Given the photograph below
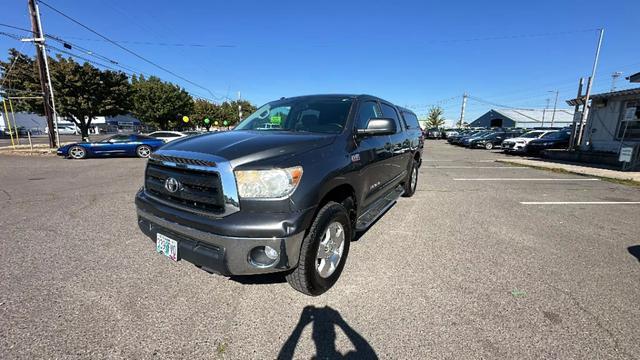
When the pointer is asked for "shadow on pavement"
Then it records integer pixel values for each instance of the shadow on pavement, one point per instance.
(324, 321)
(635, 251)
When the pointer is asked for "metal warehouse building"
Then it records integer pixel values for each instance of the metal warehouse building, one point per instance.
(524, 118)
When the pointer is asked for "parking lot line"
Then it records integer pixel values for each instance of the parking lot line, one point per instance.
(580, 202)
(522, 179)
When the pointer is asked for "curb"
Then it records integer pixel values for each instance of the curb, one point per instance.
(605, 174)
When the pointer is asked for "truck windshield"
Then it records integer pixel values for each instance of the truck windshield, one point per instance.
(320, 115)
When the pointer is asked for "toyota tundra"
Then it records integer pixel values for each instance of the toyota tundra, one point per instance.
(285, 191)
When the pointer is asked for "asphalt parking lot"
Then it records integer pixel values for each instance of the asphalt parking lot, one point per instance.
(473, 266)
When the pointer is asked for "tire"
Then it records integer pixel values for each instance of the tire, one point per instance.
(77, 152)
(488, 146)
(411, 183)
(143, 151)
(307, 278)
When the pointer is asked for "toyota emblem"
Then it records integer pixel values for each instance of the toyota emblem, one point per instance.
(172, 185)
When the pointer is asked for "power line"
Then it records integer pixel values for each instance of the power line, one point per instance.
(69, 45)
(128, 50)
(61, 51)
(517, 36)
(128, 71)
(151, 43)
(12, 65)
(491, 103)
(16, 28)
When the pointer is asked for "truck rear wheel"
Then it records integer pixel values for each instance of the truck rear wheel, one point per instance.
(411, 183)
(324, 251)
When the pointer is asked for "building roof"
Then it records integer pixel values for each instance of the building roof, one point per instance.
(534, 116)
(580, 101)
(634, 78)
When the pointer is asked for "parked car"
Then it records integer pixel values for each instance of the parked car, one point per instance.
(492, 140)
(193, 132)
(456, 139)
(167, 136)
(116, 145)
(433, 133)
(465, 140)
(518, 144)
(553, 140)
(65, 130)
(286, 198)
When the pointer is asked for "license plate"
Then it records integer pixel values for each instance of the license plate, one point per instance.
(167, 246)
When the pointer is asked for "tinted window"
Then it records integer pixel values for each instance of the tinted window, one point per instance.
(368, 110)
(390, 112)
(410, 120)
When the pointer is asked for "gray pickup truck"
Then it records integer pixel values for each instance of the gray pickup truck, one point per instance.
(285, 191)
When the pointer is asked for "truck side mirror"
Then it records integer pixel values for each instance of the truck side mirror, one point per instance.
(378, 126)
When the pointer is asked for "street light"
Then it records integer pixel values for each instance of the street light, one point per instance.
(555, 105)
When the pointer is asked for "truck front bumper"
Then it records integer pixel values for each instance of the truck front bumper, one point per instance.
(225, 255)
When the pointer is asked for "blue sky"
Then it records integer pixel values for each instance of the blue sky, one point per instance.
(414, 53)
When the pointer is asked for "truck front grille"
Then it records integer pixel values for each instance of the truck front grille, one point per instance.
(196, 190)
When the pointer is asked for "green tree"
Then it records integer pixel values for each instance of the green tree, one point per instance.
(434, 118)
(229, 111)
(203, 109)
(83, 92)
(19, 77)
(159, 103)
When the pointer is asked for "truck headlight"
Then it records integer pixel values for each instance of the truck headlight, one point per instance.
(273, 183)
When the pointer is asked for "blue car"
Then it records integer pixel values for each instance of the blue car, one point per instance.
(117, 145)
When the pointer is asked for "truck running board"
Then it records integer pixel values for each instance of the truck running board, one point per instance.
(378, 208)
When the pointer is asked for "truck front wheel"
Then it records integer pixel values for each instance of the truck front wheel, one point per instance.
(324, 251)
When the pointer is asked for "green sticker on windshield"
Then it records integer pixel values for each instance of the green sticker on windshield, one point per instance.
(276, 119)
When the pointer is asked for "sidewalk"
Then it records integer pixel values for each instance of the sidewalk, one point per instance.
(577, 169)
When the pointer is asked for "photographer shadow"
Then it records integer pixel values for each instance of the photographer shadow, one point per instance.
(324, 321)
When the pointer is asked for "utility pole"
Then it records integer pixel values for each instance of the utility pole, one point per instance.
(464, 105)
(239, 107)
(544, 111)
(555, 106)
(43, 69)
(574, 130)
(585, 109)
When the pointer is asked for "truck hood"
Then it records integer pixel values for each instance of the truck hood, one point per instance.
(245, 146)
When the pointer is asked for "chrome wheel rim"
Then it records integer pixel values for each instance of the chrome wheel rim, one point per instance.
(330, 250)
(144, 151)
(489, 146)
(414, 178)
(77, 152)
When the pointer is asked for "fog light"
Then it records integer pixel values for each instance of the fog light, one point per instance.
(271, 252)
(263, 256)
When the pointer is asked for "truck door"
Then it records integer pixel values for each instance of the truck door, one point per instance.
(372, 154)
(400, 146)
